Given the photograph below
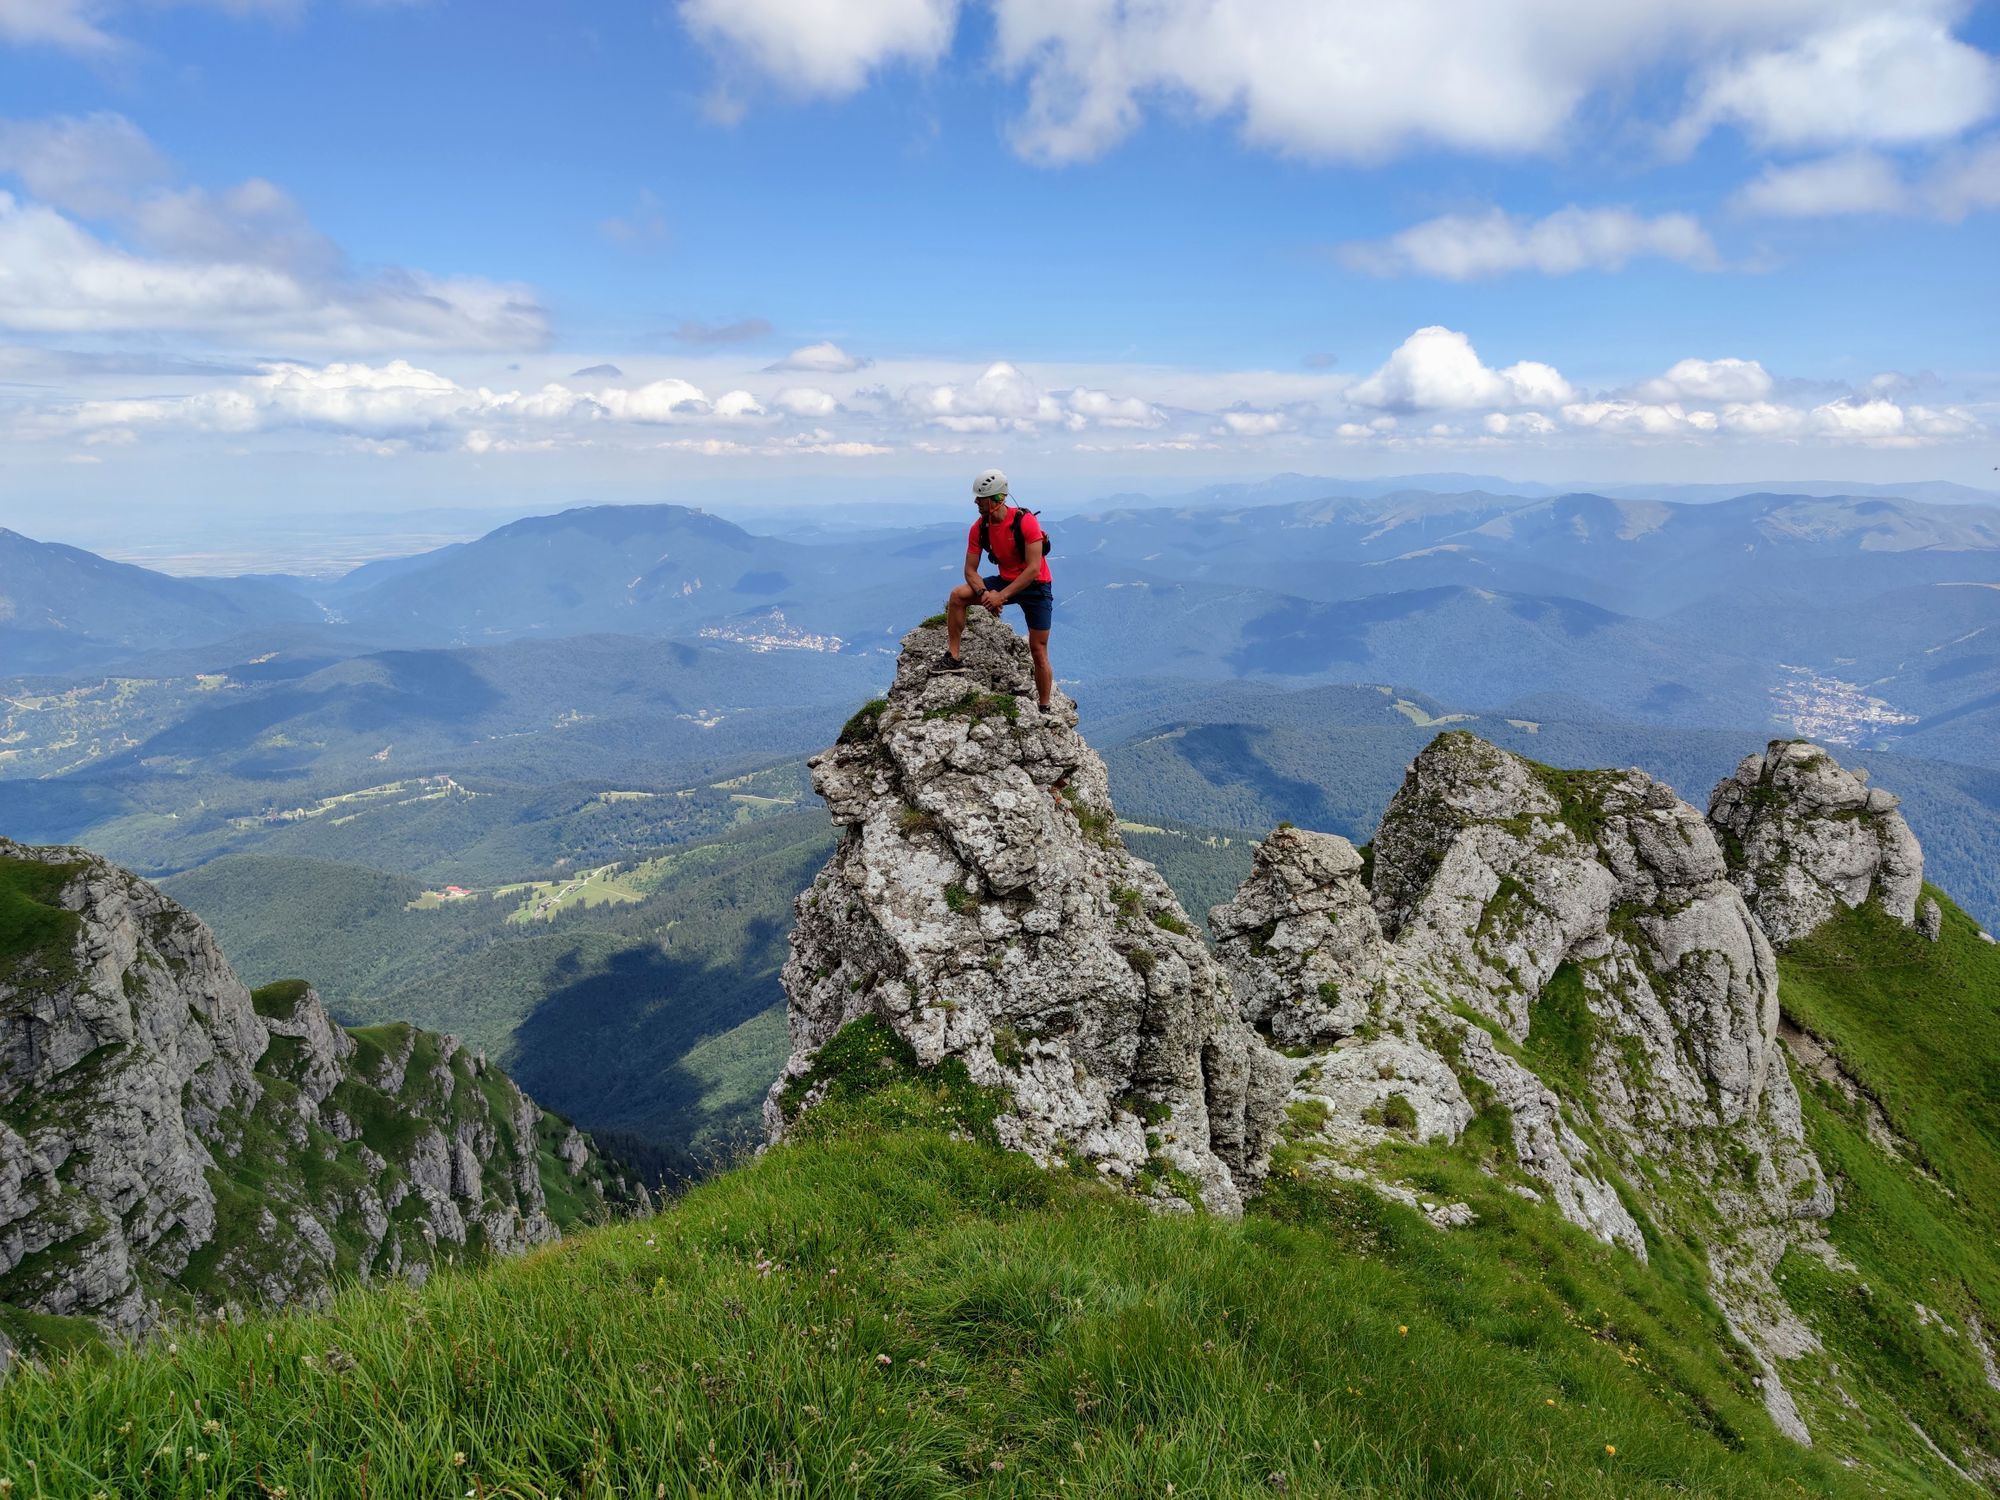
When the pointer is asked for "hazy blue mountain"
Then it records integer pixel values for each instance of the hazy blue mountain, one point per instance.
(1938, 491)
(64, 609)
(633, 569)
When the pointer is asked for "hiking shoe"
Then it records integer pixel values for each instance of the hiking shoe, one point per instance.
(946, 662)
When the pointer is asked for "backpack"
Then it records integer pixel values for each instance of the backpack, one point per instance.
(1020, 547)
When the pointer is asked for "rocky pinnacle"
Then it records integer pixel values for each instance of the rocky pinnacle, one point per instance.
(1572, 954)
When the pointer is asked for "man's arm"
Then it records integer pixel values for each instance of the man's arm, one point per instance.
(972, 577)
(1031, 571)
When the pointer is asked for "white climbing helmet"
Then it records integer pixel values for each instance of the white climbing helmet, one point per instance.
(989, 484)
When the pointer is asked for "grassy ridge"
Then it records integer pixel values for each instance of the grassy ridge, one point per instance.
(884, 1309)
(1915, 1026)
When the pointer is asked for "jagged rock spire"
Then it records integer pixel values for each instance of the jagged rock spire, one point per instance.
(1806, 837)
(982, 904)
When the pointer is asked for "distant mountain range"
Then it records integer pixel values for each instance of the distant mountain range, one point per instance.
(656, 648)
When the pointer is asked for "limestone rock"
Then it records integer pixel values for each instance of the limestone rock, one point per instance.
(1930, 919)
(981, 903)
(1301, 939)
(137, 1072)
(1805, 838)
(1585, 920)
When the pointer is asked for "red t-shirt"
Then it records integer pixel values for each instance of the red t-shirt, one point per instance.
(1003, 542)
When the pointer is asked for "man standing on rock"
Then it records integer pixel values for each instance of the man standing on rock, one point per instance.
(1014, 539)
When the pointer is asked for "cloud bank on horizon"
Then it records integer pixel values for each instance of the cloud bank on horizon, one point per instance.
(1539, 227)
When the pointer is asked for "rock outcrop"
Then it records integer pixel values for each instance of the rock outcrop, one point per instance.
(982, 904)
(1567, 959)
(1805, 838)
(1566, 947)
(168, 1140)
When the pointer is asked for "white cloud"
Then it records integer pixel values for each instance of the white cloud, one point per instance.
(1640, 418)
(824, 46)
(1860, 419)
(805, 401)
(1761, 419)
(1958, 183)
(823, 443)
(1965, 182)
(68, 24)
(820, 359)
(1856, 182)
(1004, 399)
(241, 265)
(91, 164)
(1437, 369)
(1362, 83)
(1254, 423)
(1896, 76)
(1102, 409)
(1519, 424)
(405, 403)
(1709, 380)
(56, 277)
(1463, 247)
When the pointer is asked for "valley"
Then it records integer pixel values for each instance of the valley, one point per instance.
(625, 817)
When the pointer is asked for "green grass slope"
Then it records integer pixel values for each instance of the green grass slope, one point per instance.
(890, 1306)
(1908, 1127)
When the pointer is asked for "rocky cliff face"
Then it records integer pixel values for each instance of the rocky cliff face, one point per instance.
(1564, 951)
(1568, 961)
(982, 904)
(1805, 838)
(170, 1140)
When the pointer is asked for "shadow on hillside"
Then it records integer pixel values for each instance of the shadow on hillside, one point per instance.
(1227, 755)
(607, 1048)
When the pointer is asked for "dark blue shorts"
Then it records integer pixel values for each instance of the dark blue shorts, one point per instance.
(1037, 601)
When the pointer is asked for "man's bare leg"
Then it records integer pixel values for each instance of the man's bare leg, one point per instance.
(1045, 677)
(954, 615)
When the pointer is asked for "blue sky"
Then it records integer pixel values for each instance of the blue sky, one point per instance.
(328, 253)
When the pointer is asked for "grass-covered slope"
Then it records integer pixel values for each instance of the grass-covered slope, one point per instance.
(888, 1306)
(1905, 1117)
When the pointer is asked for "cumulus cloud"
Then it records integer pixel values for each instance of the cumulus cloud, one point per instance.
(805, 401)
(1437, 369)
(1896, 76)
(1005, 399)
(1856, 182)
(1709, 380)
(821, 359)
(1640, 418)
(92, 165)
(826, 47)
(1870, 421)
(1464, 247)
(1517, 424)
(1254, 423)
(405, 402)
(1363, 83)
(1957, 183)
(57, 277)
(240, 264)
